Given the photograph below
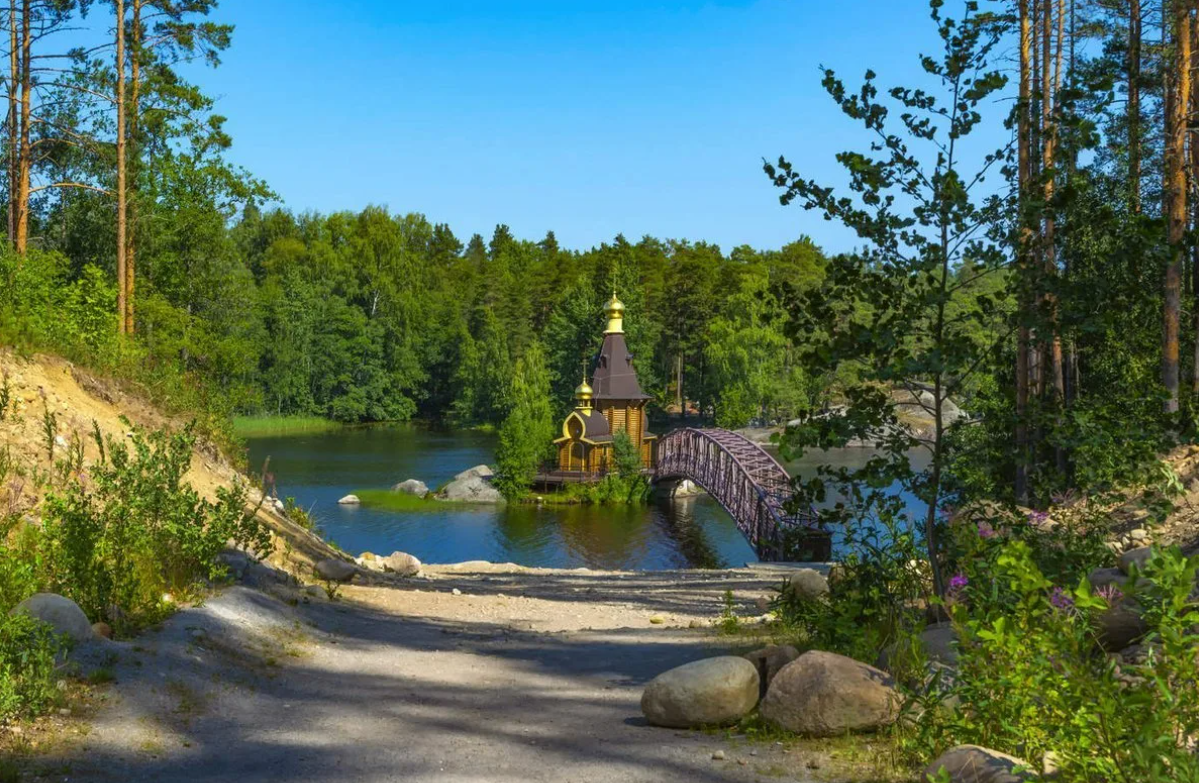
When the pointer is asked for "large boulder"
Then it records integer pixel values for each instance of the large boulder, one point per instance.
(770, 660)
(711, 692)
(472, 489)
(412, 487)
(808, 584)
(974, 764)
(478, 471)
(400, 563)
(61, 614)
(334, 570)
(822, 694)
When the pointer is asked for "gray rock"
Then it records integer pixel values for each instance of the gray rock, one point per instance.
(370, 561)
(334, 570)
(1119, 626)
(1140, 534)
(61, 614)
(401, 563)
(412, 487)
(237, 562)
(350, 500)
(808, 584)
(770, 660)
(1137, 557)
(478, 471)
(938, 642)
(1102, 577)
(822, 694)
(472, 489)
(974, 764)
(711, 692)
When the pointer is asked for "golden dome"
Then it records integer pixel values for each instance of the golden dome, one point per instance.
(615, 312)
(584, 391)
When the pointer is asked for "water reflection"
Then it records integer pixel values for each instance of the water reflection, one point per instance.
(318, 469)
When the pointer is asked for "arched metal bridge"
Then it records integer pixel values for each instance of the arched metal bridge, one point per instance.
(742, 476)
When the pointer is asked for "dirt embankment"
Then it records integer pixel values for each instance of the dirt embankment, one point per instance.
(45, 389)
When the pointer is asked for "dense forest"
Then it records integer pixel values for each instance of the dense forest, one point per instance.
(1047, 286)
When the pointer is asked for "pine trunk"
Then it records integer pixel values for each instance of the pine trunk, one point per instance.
(1177, 96)
(133, 122)
(23, 145)
(1026, 238)
(1134, 106)
(121, 196)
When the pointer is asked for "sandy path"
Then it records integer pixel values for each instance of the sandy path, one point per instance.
(393, 684)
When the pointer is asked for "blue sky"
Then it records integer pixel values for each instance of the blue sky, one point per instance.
(591, 119)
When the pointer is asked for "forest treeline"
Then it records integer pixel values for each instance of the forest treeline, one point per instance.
(1048, 287)
(125, 218)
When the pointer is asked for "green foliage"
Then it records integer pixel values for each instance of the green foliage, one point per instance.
(527, 434)
(28, 658)
(1031, 679)
(728, 623)
(134, 530)
(626, 455)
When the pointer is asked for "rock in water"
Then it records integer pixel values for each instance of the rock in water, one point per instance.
(770, 660)
(472, 489)
(334, 570)
(478, 471)
(401, 563)
(412, 487)
(822, 694)
(974, 764)
(350, 500)
(711, 692)
(61, 614)
(808, 584)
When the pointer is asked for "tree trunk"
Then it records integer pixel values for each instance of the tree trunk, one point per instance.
(24, 150)
(1177, 97)
(134, 122)
(12, 123)
(1134, 106)
(121, 196)
(1025, 239)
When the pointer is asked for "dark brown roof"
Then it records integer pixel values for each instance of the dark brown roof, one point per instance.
(595, 426)
(614, 377)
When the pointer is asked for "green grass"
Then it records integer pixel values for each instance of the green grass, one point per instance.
(262, 426)
(401, 501)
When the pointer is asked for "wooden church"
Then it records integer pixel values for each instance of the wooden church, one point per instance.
(615, 403)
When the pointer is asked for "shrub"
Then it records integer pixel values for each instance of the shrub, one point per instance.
(28, 651)
(1032, 679)
(132, 529)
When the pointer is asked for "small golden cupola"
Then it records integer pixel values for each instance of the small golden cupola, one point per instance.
(615, 311)
(584, 393)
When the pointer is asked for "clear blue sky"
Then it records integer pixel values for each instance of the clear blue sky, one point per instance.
(591, 119)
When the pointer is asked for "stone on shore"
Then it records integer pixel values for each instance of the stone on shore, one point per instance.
(711, 692)
(770, 660)
(350, 500)
(61, 614)
(400, 563)
(1138, 557)
(478, 471)
(974, 764)
(822, 694)
(471, 489)
(334, 570)
(808, 584)
(412, 487)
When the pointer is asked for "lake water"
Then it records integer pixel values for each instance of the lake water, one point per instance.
(319, 469)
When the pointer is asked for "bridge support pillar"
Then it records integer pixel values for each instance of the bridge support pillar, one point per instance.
(678, 488)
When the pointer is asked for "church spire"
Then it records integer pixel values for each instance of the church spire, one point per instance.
(584, 392)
